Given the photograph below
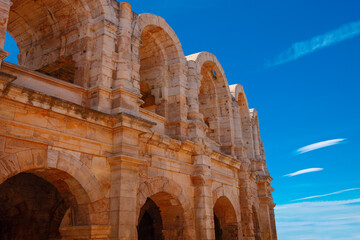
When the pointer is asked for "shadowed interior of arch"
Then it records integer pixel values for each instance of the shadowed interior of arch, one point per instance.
(225, 223)
(153, 69)
(208, 101)
(161, 217)
(246, 130)
(34, 205)
(157, 54)
(150, 224)
(45, 31)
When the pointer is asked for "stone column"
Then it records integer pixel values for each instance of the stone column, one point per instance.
(193, 91)
(125, 98)
(123, 70)
(177, 109)
(196, 126)
(264, 215)
(124, 163)
(4, 18)
(265, 199)
(256, 141)
(101, 72)
(204, 215)
(245, 202)
(272, 221)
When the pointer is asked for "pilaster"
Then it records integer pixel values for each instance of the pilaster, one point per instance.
(177, 108)
(245, 202)
(265, 200)
(204, 216)
(124, 163)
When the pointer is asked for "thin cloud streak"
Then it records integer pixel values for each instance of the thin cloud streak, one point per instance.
(328, 194)
(300, 49)
(330, 220)
(319, 145)
(318, 203)
(308, 170)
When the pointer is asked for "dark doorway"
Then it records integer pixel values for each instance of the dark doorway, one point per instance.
(226, 226)
(30, 208)
(150, 225)
(218, 231)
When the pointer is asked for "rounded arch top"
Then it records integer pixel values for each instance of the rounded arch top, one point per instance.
(224, 195)
(162, 184)
(31, 22)
(146, 20)
(165, 187)
(254, 116)
(202, 58)
(237, 91)
(51, 164)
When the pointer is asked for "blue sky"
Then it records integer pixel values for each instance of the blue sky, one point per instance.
(299, 64)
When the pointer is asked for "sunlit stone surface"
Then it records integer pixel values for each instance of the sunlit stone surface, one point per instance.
(107, 131)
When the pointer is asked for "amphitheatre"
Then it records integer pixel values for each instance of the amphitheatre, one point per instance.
(107, 131)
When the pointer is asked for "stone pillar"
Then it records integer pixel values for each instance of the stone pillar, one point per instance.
(102, 67)
(177, 108)
(123, 70)
(272, 221)
(123, 191)
(125, 98)
(196, 126)
(264, 215)
(194, 81)
(245, 202)
(256, 141)
(124, 163)
(4, 18)
(265, 200)
(204, 215)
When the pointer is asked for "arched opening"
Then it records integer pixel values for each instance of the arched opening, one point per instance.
(226, 225)
(215, 104)
(53, 38)
(256, 136)
(150, 225)
(12, 48)
(34, 205)
(208, 101)
(218, 230)
(256, 224)
(161, 218)
(157, 55)
(246, 127)
(153, 70)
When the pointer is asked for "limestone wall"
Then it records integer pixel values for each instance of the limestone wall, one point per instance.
(134, 140)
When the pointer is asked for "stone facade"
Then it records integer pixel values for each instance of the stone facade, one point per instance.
(107, 131)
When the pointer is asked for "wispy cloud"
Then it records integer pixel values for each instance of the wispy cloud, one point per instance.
(328, 194)
(318, 145)
(303, 48)
(318, 203)
(330, 220)
(308, 170)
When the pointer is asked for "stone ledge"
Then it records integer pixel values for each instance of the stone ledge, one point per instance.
(87, 232)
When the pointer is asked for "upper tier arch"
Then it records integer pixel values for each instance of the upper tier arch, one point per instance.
(201, 58)
(237, 91)
(33, 21)
(214, 104)
(147, 19)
